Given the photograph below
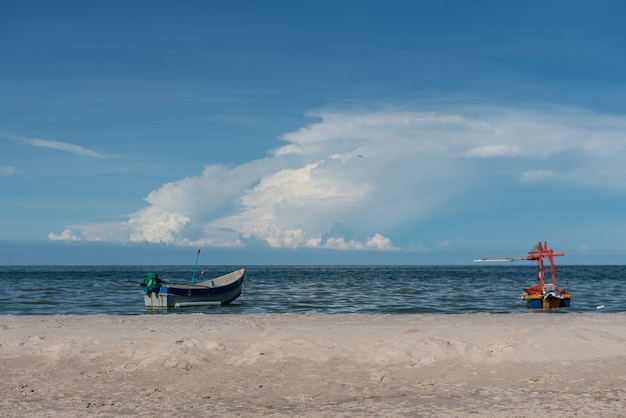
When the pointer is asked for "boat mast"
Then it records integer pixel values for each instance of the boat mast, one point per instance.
(538, 255)
(193, 276)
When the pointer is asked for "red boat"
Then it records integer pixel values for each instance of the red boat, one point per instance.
(542, 295)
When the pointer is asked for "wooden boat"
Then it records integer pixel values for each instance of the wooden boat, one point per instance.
(220, 290)
(542, 295)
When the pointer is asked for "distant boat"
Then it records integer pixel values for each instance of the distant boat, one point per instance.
(220, 290)
(541, 295)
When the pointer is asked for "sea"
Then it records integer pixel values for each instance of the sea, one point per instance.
(496, 289)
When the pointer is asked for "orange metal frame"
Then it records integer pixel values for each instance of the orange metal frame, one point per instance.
(538, 255)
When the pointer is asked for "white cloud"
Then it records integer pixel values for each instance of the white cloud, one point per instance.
(64, 146)
(56, 145)
(162, 227)
(66, 235)
(284, 208)
(378, 242)
(374, 173)
(112, 232)
(495, 150)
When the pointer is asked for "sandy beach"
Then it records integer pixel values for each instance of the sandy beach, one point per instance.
(546, 364)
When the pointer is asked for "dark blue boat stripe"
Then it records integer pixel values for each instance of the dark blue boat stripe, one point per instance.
(209, 291)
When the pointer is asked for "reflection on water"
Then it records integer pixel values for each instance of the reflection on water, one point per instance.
(310, 289)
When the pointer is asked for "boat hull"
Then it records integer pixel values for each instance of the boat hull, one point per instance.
(221, 290)
(549, 302)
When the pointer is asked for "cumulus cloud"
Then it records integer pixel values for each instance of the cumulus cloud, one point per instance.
(66, 235)
(356, 179)
(162, 227)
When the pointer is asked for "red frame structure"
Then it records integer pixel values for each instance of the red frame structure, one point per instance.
(541, 295)
(538, 255)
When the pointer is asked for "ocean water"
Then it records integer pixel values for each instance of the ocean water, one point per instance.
(90, 290)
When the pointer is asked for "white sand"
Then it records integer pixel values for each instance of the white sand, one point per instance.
(527, 365)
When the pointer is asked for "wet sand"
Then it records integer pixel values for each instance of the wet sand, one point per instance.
(525, 365)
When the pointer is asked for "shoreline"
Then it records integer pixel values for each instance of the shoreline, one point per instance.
(314, 365)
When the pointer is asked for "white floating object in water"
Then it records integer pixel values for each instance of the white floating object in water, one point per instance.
(600, 307)
(186, 304)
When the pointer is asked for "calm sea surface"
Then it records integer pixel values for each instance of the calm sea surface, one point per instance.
(89, 290)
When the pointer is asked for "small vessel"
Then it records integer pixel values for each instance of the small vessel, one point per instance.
(543, 295)
(220, 290)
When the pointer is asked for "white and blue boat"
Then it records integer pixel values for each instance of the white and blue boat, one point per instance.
(218, 291)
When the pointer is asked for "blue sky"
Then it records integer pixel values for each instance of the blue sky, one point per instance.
(282, 132)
